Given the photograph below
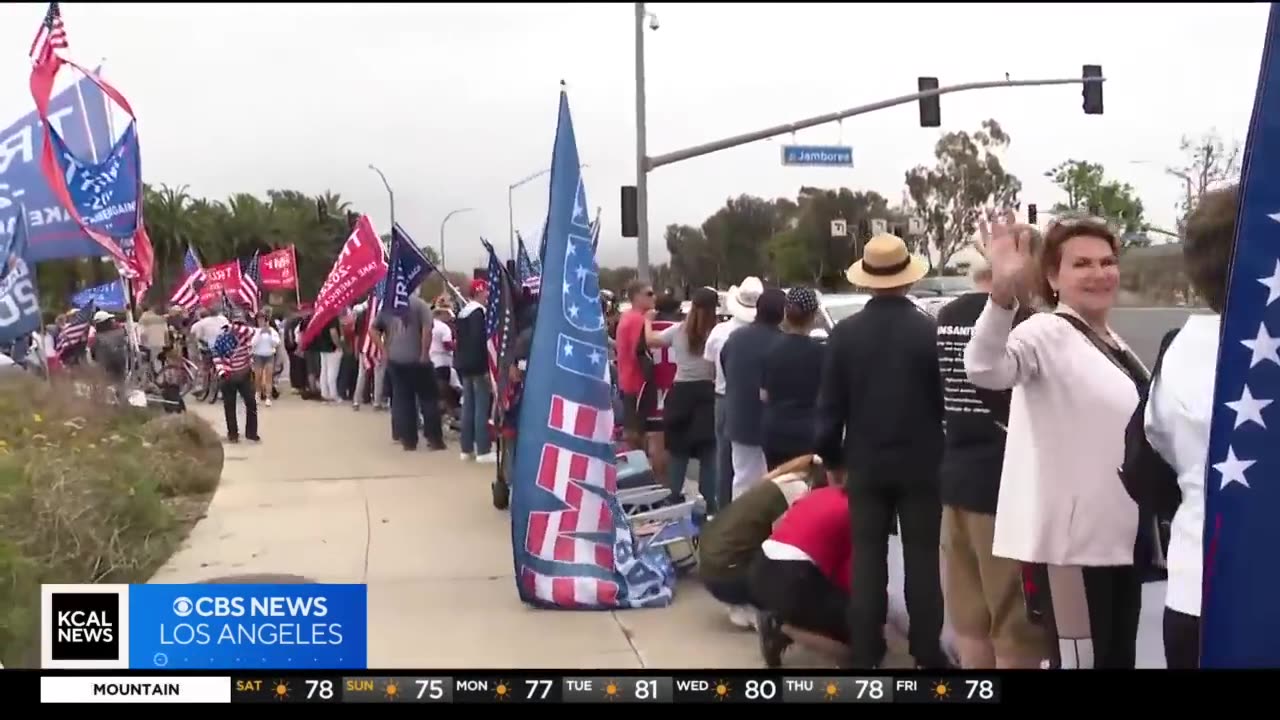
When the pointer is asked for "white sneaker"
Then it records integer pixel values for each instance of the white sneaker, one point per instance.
(465, 457)
(742, 617)
(267, 402)
(488, 458)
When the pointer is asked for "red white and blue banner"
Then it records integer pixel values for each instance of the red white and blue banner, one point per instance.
(573, 545)
(103, 195)
(1239, 624)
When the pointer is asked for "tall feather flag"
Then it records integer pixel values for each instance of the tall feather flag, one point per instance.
(1240, 626)
(573, 546)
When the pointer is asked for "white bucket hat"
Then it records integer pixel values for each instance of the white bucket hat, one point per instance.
(742, 299)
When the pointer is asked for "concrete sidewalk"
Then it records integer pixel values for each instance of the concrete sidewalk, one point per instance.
(327, 496)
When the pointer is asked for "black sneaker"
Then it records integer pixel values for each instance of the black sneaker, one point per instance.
(436, 445)
(773, 642)
(255, 438)
(233, 439)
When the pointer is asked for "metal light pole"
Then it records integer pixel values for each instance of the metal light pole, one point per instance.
(442, 224)
(391, 197)
(511, 213)
(642, 150)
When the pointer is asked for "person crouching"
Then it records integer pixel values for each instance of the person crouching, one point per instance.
(801, 579)
(730, 541)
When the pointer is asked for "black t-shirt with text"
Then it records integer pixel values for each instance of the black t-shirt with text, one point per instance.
(976, 419)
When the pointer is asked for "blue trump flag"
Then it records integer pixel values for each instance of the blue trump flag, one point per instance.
(406, 270)
(107, 296)
(1240, 626)
(573, 546)
(19, 304)
(80, 114)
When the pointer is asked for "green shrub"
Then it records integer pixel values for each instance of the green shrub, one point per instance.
(88, 493)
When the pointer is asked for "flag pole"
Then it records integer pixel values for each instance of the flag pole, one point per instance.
(297, 278)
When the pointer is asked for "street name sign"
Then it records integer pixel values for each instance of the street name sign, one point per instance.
(817, 155)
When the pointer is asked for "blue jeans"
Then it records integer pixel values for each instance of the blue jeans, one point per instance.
(724, 454)
(476, 401)
(678, 465)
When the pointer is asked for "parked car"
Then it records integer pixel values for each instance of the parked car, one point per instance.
(837, 306)
(933, 292)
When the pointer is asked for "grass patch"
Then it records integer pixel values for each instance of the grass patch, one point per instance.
(89, 493)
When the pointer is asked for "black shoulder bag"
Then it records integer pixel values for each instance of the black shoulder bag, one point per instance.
(1145, 475)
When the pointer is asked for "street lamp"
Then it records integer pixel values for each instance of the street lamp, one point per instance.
(390, 195)
(511, 213)
(442, 224)
(642, 150)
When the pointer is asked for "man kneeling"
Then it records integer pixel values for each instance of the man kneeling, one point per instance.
(801, 579)
(730, 541)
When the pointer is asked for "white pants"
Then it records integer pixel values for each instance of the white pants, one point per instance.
(749, 467)
(330, 364)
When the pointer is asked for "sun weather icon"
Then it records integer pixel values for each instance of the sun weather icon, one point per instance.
(722, 690)
(831, 691)
(941, 690)
(611, 690)
(503, 691)
(280, 690)
(392, 690)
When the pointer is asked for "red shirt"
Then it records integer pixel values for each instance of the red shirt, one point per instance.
(664, 369)
(629, 336)
(818, 525)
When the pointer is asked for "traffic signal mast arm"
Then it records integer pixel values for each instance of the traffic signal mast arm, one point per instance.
(674, 157)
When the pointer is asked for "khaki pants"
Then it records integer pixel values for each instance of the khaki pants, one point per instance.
(984, 592)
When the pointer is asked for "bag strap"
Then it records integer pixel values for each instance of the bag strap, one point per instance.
(1103, 348)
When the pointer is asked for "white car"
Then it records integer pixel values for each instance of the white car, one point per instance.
(838, 306)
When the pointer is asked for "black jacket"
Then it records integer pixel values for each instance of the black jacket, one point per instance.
(880, 404)
(470, 352)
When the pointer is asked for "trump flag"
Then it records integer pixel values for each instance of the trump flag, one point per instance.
(573, 546)
(1240, 627)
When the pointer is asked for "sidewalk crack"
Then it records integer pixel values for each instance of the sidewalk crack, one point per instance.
(631, 641)
(368, 534)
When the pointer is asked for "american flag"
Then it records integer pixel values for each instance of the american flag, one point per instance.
(595, 231)
(369, 354)
(75, 332)
(1242, 487)
(526, 269)
(51, 36)
(187, 295)
(499, 317)
(233, 349)
(574, 546)
(250, 282)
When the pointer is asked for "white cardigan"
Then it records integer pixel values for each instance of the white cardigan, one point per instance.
(1061, 500)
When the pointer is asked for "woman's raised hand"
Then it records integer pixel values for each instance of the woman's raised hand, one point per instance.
(1007, 247)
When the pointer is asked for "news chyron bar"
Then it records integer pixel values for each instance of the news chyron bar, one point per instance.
(471, 687)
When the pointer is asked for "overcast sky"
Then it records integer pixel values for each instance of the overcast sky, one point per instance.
(456, 102)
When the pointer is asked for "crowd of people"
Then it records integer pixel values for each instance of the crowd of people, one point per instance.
(1015, 438)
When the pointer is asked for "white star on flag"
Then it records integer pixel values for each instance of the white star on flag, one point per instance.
(573, 311)
(1263, 346)
(568, 349)
(1248, 408)
(1233, 468)
(595, 357)
(1273, 284)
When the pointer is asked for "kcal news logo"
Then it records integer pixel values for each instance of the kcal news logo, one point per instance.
(84, 626)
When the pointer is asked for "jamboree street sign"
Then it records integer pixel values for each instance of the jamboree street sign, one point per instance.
(817, 155)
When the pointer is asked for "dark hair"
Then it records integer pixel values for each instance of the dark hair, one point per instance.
(667, 304)
(701, 319)
(799, 317)
(635, 286)
(1049, 258)
(770, 306)
(1210, 240)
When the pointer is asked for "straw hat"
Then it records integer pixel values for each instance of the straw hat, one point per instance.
(886, 263)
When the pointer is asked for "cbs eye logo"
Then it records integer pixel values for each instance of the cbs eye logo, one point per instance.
(182, 607)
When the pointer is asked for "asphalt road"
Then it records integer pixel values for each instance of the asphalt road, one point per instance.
(1142, 328)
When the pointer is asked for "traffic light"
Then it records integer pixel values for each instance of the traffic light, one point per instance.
(630, 218)
(1092, 90)
(930, 110)
(1031, 213)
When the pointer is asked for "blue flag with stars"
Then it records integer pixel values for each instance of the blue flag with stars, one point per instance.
(573, 545)
(1240, 627)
